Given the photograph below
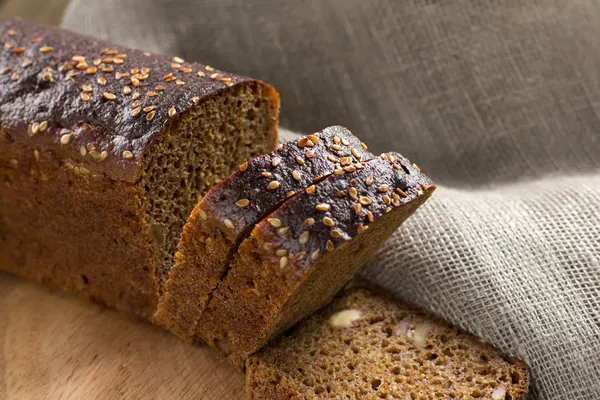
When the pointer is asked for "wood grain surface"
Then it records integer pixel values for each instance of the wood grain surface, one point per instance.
(56, 346)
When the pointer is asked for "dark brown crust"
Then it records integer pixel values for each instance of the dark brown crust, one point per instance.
(107, 123)
(278, 279)
(198, 271)
(270, 374)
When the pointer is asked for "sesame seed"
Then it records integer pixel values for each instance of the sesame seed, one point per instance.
(383, 188)
(333, 159)
(280, 147)
(128, 155)
(362, 228)
(90, 146)
(315, 254)
(336, 147)
(95, 154)
(290, 193)
(273, 185)
(109, 96)
(339, 171)
(108, 70)
(47, 77)
(305, 142)
(267, 246)
(36, 155)
(364, 146)
(172, 112)
(336, 234)
(275, 161)
(311, 189)
(14, 76)
(314, 138)
(346, 161)
(86, 88)
(195, 99)
(135, 96)
(424, 186)
(370, 216)
(296, 175)
(43, 126)
(186, 70)
(12, 32)
(391, 158)
(5, 71)
(103, 155)
(244, 166)
(26, 63)
(150, 115)
(83, 151)
(46, 49)
(36, 40)
(283, 262)
(159, 88)
(118, 61)
(178, 60)
(84, 171)
(149, 108)
(152, 94)
(300, 255)
(202, 215)
(136, 111)
(228, 223)
(81, 66)
(282, 231)
(275, 222)
(322, 207)
(242, 203)
(281, 252)
(330, 245)
(365, 201)
(101, 81)
(18, 50)
(415, 166)
(328, 221)
(66, 138)
(97, 61)
(387, 200)
(401, 192)
(209, 68)
(126, 90)
(14, 162)
(357, 208)
(369, 181)
(355, 153)
(308, 222)
(90, 70)
(345, 142)
(337, 139)
(179, 82)
(266, 174)
(200, 73)
(175, 65)
(33, 128)
(303, 238)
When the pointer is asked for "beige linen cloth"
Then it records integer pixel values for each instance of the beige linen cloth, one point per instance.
(498, 101)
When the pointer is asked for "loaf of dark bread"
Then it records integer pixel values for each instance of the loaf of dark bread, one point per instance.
(104, 151)
(302, 254)
(227, 214)
(367, 346)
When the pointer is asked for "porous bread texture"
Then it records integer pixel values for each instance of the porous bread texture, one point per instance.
(204, 146)
(386, 350)
(303, 253)
(227, 214)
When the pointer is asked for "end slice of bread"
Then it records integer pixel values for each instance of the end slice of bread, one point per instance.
(365, 345)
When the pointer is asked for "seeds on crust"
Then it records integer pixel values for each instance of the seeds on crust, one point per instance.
(273, 185)
(275, 222)
(322, 207)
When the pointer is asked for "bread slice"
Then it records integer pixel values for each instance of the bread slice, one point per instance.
(365, 345)
(229, 211)
(303, 253)
(104, 152)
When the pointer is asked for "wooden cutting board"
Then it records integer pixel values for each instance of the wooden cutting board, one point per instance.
(56, 346)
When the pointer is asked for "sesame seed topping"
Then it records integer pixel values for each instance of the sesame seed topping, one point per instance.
(311, 189)
(196, 99)
(95, 154)
(383, 188)
(339, 171)
(135, 82)
(209, 68)
(5, 71)
(275, 222)
(46, 49)
(369, 181)
(178, 60)
(308, 222)
(362, 228)
(12, 32)
(315, 254)
(267, 246)
(201, 73)
(179, 82)
(305, 142)
(228, 223)
(15, 76)
(322, 207)
(281, 252)
(149, 108)
(365, 201)
(135, 96)
(150, 115)
(314, 138)
(118, 61)
(336, 147)
(172, 112)
(387, 200)
(401, 192)
(328, 221)
(175, 65)
(103, 155)
(101, 81)
(283, 262)
(26, 63)
(126, 90)
(186, 70)
(36, 40)
(83, 151)
(346, 161)
(36, 155)
(266, 174)
(336, 234)
(273, 185)
(84, 170)
(283, 231)
(244, 166)
(330, 245)
(90, 70)
(296, 175)
(275, 161)
(66, 138)
(109, 96)
(370, 216)
(97, 61)
(152, 94)
(337, 139)
(331, 158)
(415, 166)
(43, 126)
(355, 153)
(242, 203)
(14, 162)
(303, 238)
(345, 142)
(136, 111)
(47, 77)
(357, 208)
(128, 155)
(299, 160)
(202, 215)
(86, 88)
(290, 193)
(18, 50)
(424, 186)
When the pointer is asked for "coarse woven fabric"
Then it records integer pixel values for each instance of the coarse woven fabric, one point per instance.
(498, 101)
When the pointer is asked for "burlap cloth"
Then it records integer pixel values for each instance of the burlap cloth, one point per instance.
(498, 101)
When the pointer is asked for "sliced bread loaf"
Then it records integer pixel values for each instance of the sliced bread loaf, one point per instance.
(303, 253)
(229, 211)
(365, 345)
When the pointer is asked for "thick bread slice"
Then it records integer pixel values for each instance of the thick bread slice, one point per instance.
(367, 346)
(229, 211)
(299, 257)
